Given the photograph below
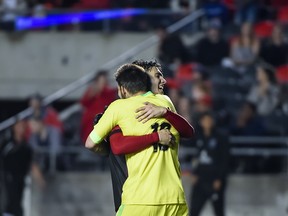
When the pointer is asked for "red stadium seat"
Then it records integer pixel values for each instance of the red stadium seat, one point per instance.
(172, 83)
(92, 4)
(185, 72)
(264, 29)
(282, 14)
(230, 4)
(278, 3)
(282, 74)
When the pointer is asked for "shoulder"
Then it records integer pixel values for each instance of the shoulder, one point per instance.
(163, 97)
(114, 106)
(167, 101)
(116, 103)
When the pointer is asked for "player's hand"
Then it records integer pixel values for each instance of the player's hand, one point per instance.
(165, 137)
(149, 111)
(102, 148)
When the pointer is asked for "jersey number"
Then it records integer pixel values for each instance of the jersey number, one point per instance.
(156, 127)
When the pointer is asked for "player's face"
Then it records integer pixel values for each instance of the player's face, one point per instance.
(157, 79)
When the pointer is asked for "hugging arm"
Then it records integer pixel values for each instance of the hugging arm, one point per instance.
(150, 110)
(121, 144)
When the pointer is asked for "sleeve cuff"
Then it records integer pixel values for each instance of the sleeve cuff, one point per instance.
(95, 138)
(155, 137)
(167, 114)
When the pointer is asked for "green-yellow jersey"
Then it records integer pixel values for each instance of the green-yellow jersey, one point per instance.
(153, 173)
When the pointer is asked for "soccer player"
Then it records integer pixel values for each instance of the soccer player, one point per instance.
(153, 185)
(121, 145)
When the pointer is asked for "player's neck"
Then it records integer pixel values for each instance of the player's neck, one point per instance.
(138, 93)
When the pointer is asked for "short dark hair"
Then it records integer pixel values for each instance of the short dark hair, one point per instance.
(147, 65)
(207, 114)
(36, 96)
(133, 78)
(99, 74)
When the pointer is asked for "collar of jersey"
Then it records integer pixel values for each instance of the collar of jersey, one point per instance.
(147, 94)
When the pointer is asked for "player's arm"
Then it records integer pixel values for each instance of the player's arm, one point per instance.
(107, 122)
(129, 144)
(150, 110)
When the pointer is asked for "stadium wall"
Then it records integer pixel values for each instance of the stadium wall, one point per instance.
(45, 62)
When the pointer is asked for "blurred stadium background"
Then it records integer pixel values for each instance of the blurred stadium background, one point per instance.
(55, 49)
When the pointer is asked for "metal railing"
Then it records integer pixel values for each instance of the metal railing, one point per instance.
(109, 66)
(268, 150)
(259, 146)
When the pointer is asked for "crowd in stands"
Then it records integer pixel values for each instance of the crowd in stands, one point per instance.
(224, 72)
(223, 10)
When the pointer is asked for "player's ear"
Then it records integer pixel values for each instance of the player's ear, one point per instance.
(122, 92)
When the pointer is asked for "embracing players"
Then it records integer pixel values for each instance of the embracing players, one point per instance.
(153, 184)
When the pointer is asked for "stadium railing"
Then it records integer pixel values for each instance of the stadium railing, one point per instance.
(240, 146)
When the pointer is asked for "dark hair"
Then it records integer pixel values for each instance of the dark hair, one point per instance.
(147, 65)
(133, 78)
(36, 96)
(99, 74)
(207, 114)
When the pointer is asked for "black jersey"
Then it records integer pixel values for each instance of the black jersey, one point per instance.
(119, 174)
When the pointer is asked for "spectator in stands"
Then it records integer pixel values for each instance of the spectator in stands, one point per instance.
(43, 136)
(87, 4)
(212, 49)
(153, 4)
(171, 50)
(284, 100)
(245, 48)
(209, 167)
(247, 122)
(201, 95)
(16, 156)
(215, 10)
(246, 11)
(265, 92)
(96, 97)
(196, 95)
(275, 50)
(47, 113)
(184, 5)
(10, 9)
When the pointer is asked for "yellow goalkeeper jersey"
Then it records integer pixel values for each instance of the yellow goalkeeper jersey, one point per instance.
(153, 173)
